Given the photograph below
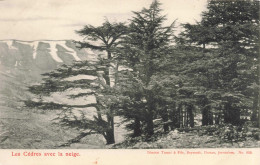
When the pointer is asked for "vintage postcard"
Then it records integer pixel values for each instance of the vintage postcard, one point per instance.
(129, 82)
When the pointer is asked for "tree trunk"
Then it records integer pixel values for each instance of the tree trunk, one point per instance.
(110, 137)
(204, 46)
(258, 95)
(149, 117)
(191, 115)
(172, 116)
(210, 117)
(150, 125)
(181, 115)
(185, 117)
(217, 118)
(205, 115)
(165, 116)
(177, 121)
(137, 127)
(231, 114)
(255, 107)
(165, 119)
(258, 115)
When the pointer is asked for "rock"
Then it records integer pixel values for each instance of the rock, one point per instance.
(241, 144)
(174, 135)
(178, 145)
(249, 134)
(189, 134)
(144, 145)
(38, 140)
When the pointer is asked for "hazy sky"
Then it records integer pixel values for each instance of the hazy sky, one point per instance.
(58, 19)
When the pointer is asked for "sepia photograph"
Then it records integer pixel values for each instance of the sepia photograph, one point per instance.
(139, 74)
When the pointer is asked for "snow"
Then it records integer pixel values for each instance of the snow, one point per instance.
(17, 63)
(62, 98)
(10, 44)
(89, 51)
(53, 51)
(80, 77)
(91, 56)
(88, 112)
(33, 44)
(72, 52)
(75, 91)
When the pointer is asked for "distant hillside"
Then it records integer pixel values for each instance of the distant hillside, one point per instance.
(41, 55)
(23, 62)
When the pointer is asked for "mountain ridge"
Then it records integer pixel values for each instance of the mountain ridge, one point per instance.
(23, 62)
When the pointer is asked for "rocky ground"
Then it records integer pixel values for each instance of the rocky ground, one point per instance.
(32, 129)
(191, 139)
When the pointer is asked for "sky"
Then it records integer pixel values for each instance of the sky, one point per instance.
(58, 19)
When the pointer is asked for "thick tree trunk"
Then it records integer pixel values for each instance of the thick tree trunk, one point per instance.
(172, 116)
(110, 137)
(176, 119)
(165, 119)
(207, 116)
(166, 128)
(150, 125)
(210, 117)
(165, 116)
(231, 114)
(217, 118)
(204, 116)
(137, 127)
(149, 117)
(177, 116)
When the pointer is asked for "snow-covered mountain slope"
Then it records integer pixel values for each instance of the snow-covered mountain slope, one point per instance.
(49, 52)
(23, 62)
